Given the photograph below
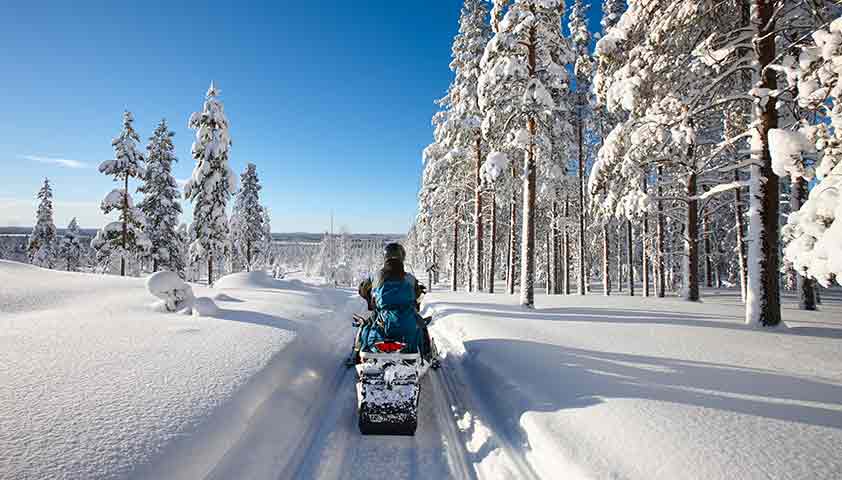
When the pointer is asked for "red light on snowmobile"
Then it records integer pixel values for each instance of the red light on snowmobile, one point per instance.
(389, 347)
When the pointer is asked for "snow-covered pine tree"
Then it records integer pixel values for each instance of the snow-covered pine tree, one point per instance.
(813, 233)
(160, 202)
(123, 239)
(583, 69)
(70, 250)
(41, 245)
(247, 220)
(212, 183)
(468, 48)
(267, 252)
(522, 63)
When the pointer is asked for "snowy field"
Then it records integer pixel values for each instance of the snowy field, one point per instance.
(99, 385)
(96, 384)
(633, 388)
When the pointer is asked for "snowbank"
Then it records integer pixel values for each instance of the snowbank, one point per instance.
(618, 387)
(97, 385)
(258, 280)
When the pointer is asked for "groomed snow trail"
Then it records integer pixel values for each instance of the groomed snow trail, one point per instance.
(446, 445)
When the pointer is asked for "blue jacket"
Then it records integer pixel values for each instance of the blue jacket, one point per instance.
(394, 312)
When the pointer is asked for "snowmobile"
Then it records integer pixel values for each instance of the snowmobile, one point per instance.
(389, 386)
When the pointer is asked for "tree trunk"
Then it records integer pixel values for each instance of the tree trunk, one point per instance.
(566, 248)
(620, 256)
(527, 273)
(552, 275)
(606, 270)
(763, 302)
(248, 255)
(510, 274)
(708, 264)
(493, 240)
(557, 261)
(527, 265)
(580, 140)
(478, 233)
(630, 257)
(741, 244)
(125, 225)
(691, 245)
(210, 270)
(804, 286)
(659, 257)
(455, 265)
(548, 284)
(644, 259)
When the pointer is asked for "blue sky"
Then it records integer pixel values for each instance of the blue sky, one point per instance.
(330, 99)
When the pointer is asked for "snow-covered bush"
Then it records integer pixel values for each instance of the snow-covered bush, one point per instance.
(175, 294)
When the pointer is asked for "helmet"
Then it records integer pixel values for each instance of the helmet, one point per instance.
(394, 251)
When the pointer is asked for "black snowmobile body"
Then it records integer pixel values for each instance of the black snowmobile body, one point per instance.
(388, 392)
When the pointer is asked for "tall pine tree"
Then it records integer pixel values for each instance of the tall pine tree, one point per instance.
(42, 241)
(70, 250)
(247, 220)
(212, 182)
(123, 239)
(160, 202)
(522, 64)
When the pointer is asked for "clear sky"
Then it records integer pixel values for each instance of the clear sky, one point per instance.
(330, 99)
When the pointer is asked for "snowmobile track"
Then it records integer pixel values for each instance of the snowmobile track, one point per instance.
(458, 394)
(334, 449)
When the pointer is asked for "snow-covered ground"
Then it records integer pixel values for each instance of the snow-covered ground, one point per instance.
(98, 384)
(619, 387)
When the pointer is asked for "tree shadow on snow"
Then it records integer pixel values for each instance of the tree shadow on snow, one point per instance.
(548, 378)
(623, 316)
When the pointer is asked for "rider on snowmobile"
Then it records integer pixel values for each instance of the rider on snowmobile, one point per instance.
(393, 295)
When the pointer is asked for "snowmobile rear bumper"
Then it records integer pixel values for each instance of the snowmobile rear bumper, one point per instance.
(388, 391)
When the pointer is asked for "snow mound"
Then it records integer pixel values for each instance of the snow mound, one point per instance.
(224, 297)
(257, 281)
(171, 289)
(205, 307)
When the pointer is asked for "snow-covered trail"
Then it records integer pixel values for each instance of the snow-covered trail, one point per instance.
(451, 441)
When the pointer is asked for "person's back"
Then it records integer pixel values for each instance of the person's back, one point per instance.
(392, 293)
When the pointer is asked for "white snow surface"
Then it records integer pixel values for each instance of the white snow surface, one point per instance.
(632, 388)
(96, 384)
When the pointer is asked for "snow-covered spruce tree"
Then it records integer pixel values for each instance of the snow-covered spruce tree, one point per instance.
(813, 233)
(70, 249)
(522, 62)
(247, 220)
(160, 202)
(41, 245)
(124, 238)
(212, 183)
(583, 68)
(265, 247)
(458, 129)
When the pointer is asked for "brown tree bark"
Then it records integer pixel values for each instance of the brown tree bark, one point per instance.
(764, 302)
(691, 245)
(478, 226)
(630, 257)
(659, 235)
(455, 264)
(606, 267)
(493, 253)
(803, 286)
